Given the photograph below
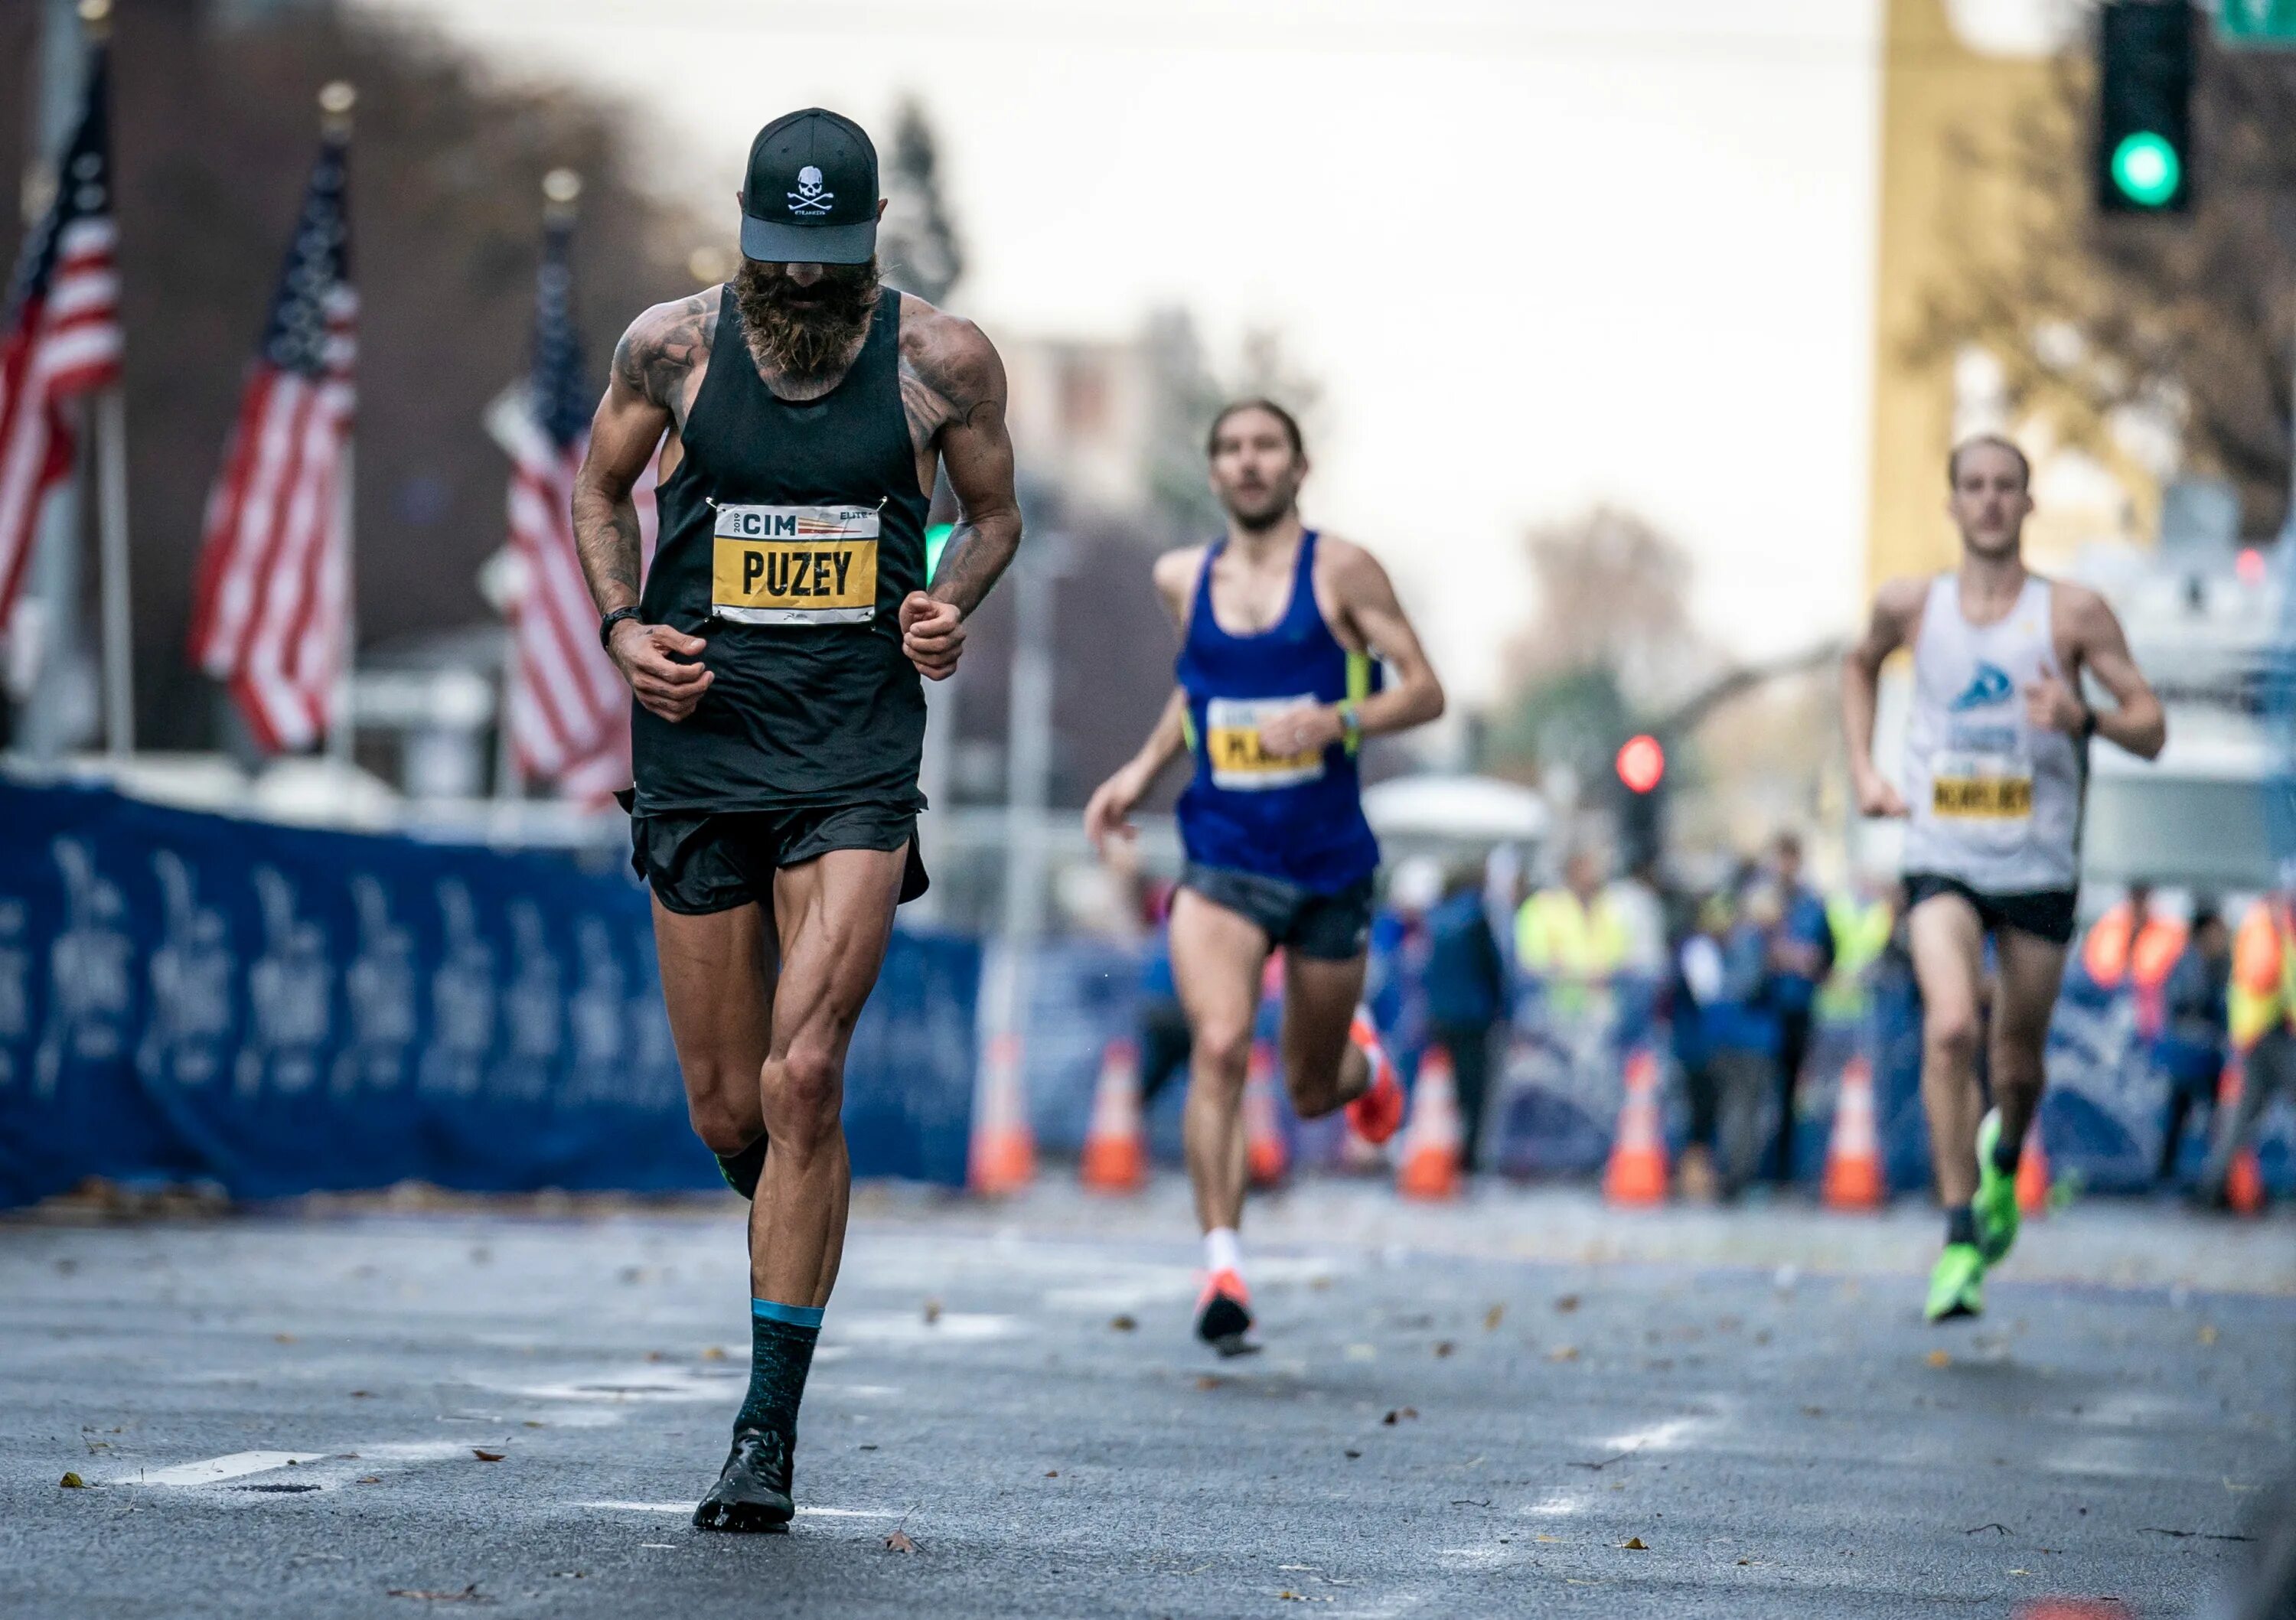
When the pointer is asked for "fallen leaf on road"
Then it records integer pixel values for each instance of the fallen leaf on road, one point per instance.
(369, 1479)
(1563, 1353)
(362, 1394)
(714, 1352)
(1443, 1347)
(1411, 1411)
(72, 1482)
(868, 1448)
(469, 1594)
(1052, 1473)
(1493, 1317)
(1745, 1560)
(1390, 1419)
(899, 1541)
(284, 1339)
(1634, 1543)
(932, 1312)
(2208, 1333)
(1351, 1455)
(486, 1456)
(1545, 1538)
(1973, 1529)
(1813, 1411)
(533, 1423)
(1567, 1304)
(1122, 1324)
(1209, 1381)
(1940, 1358)
(657, 1356)
(2020, 1572)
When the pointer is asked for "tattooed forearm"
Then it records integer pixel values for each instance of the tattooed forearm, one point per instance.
(606, 539)
(977, 556)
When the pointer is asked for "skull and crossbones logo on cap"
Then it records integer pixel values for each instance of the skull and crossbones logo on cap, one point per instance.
(809, 198)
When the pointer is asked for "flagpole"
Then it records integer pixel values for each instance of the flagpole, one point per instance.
(112, 517)
(336, 100)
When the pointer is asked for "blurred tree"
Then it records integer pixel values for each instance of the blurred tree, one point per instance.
(1186, 393)
(216, 129)
(1609, 642)
(917, 247)
(2101, 322)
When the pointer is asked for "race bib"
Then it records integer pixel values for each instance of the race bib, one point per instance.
(1239, 761)
(795, 565)
(1980, 788)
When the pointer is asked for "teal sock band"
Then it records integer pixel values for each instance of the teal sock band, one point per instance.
(797, 1316)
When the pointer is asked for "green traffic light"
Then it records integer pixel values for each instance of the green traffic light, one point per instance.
(2146, 169)
(935, 542)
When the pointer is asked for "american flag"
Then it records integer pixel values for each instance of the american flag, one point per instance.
(569, 711)
(63, 333)
(272, 614)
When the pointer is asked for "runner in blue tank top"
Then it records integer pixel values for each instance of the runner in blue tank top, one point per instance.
(1275, 694)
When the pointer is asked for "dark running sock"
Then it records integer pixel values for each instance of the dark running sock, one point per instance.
(780, 1353)
(743, 1169)
(2006, 1153)
(1961, 1225)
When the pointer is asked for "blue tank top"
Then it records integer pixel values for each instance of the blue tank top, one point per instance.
(1298, 818)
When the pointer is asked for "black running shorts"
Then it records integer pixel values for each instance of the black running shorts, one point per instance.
(2045, 913)
(700, 861)
(1327, 927)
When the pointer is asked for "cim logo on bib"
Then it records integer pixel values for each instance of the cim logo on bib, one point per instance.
(1990, 685)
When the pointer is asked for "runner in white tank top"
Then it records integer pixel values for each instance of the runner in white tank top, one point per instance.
(1996, 762)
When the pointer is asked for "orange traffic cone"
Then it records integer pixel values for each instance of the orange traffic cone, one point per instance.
(1003, 1153)
(2244, 1176)
(1430, 1167)
(1636, 1172)
(1115, 1144)
(1266, 1154)
(2033, 1173)
(1853, 1156)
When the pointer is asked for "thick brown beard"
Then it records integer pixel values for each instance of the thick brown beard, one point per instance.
(805, 341)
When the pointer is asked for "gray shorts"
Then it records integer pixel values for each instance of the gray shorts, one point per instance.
(1327, 927)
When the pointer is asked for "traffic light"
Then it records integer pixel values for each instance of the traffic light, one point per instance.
(2145, 101)
(1642, 811)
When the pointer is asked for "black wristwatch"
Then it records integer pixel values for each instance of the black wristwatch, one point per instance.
(606, 625)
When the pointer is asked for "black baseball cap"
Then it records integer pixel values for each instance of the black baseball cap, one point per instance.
(811, 196)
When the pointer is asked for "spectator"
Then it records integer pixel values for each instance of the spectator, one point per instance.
(1466, 996)
(1801, 956)
(1573, 938)
(2191, 1049)
(1639, 900)
(2261, 1020)
(1695, 992)
(1741, 1030)
(2135, 946)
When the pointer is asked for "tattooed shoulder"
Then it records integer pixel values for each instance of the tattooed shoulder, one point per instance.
(950, 372)
(665, 346)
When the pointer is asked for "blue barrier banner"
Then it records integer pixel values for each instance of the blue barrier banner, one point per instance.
(281, 1010)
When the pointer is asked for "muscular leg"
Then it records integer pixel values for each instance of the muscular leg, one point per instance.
(717, 980)
(2031, 970)
(1949, 951)
(1321, 1068)
(1217, 958)
(835, 915)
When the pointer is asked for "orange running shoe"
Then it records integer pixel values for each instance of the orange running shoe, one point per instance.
(1378, 1113)
(1224, 1314)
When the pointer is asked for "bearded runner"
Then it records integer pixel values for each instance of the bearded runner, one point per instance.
(1997, 752)
(775, 651)
(1275, 691)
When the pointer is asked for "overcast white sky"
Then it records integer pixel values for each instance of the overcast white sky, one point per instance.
(1541, 252)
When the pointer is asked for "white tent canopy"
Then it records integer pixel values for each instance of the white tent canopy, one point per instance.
(1470, 809)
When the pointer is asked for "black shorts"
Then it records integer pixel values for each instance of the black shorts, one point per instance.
(1328, 928)
(2045, 913)
(704, 860)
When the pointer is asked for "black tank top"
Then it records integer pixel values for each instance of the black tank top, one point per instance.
(790, 533)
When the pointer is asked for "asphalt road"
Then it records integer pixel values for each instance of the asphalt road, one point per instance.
(1433, 1429)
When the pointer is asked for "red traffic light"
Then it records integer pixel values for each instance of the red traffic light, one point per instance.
(1642, 763)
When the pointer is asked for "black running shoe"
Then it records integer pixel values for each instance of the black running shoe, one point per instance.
(1223, 1315)
(753, 1492)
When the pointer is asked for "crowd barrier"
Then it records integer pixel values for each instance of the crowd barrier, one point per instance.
(1558, 1079)
(279, 1010)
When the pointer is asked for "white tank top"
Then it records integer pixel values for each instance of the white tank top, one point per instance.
(1995, 802)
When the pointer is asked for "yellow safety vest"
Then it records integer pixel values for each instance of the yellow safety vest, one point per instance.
(1861, 933)
(2263, 973)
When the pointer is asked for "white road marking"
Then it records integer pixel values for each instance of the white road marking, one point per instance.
(910, 1327)
(235, 1466)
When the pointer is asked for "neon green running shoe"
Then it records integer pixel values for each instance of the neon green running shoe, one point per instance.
(1996, 1203)
(1956, 1284)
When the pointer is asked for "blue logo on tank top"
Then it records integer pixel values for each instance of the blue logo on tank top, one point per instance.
(1990, 685)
